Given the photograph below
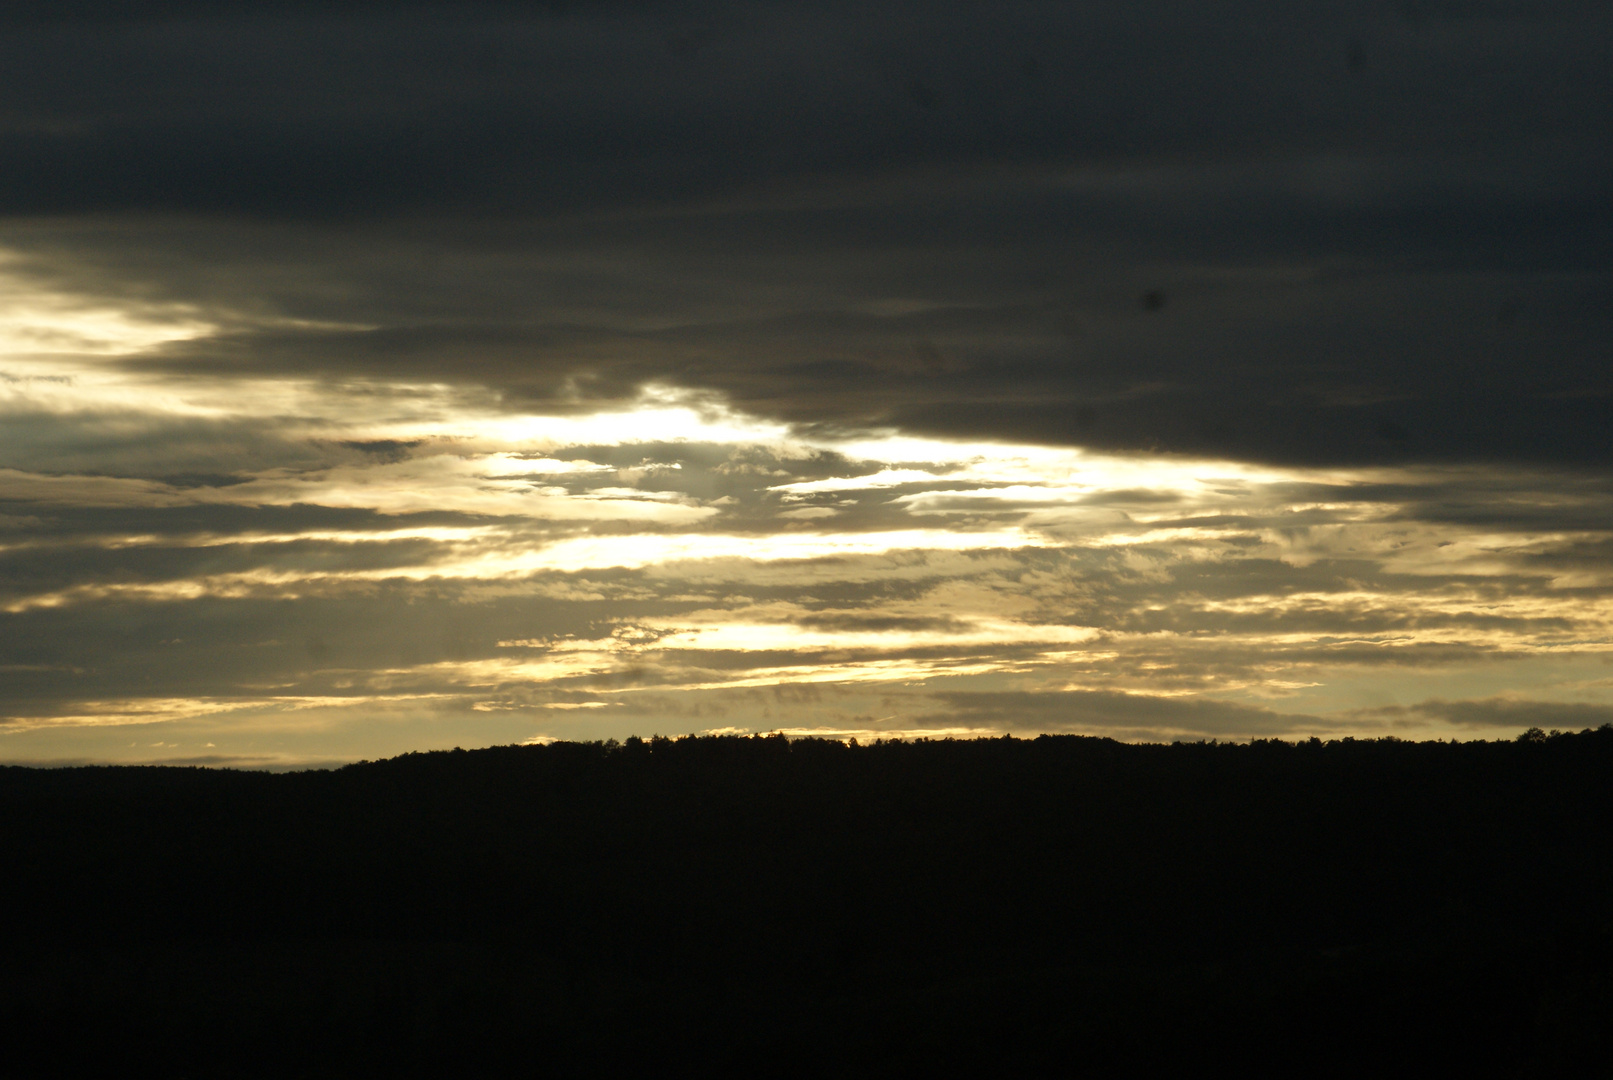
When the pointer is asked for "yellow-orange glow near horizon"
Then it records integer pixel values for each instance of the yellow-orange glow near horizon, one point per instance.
(428, 553)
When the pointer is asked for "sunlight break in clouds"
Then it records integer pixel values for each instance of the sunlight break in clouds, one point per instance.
(37, 322)
(310, 569)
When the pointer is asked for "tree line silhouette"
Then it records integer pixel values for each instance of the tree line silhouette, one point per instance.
(807, 906)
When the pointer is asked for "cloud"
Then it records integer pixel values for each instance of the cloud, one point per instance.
(1504, 713)
(1194, 372)
(1101, 711)
(937, 220)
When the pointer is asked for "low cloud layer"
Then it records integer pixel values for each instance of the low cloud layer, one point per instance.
(596, 574)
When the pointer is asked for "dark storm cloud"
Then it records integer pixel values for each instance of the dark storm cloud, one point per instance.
(1349, 232)
(343, 107)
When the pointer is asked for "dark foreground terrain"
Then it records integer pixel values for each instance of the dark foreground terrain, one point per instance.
(1064, 904)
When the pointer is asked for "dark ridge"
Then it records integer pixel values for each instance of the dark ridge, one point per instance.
(808, 907)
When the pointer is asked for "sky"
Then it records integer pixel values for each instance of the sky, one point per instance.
(379, 377)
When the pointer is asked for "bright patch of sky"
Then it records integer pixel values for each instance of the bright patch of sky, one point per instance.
(368, 567)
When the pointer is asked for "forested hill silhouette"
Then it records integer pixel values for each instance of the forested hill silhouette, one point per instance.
(805, 906)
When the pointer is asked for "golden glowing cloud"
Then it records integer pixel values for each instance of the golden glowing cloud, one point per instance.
(678, 562)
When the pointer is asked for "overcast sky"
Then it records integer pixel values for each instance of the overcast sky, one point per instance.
(385, 376)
